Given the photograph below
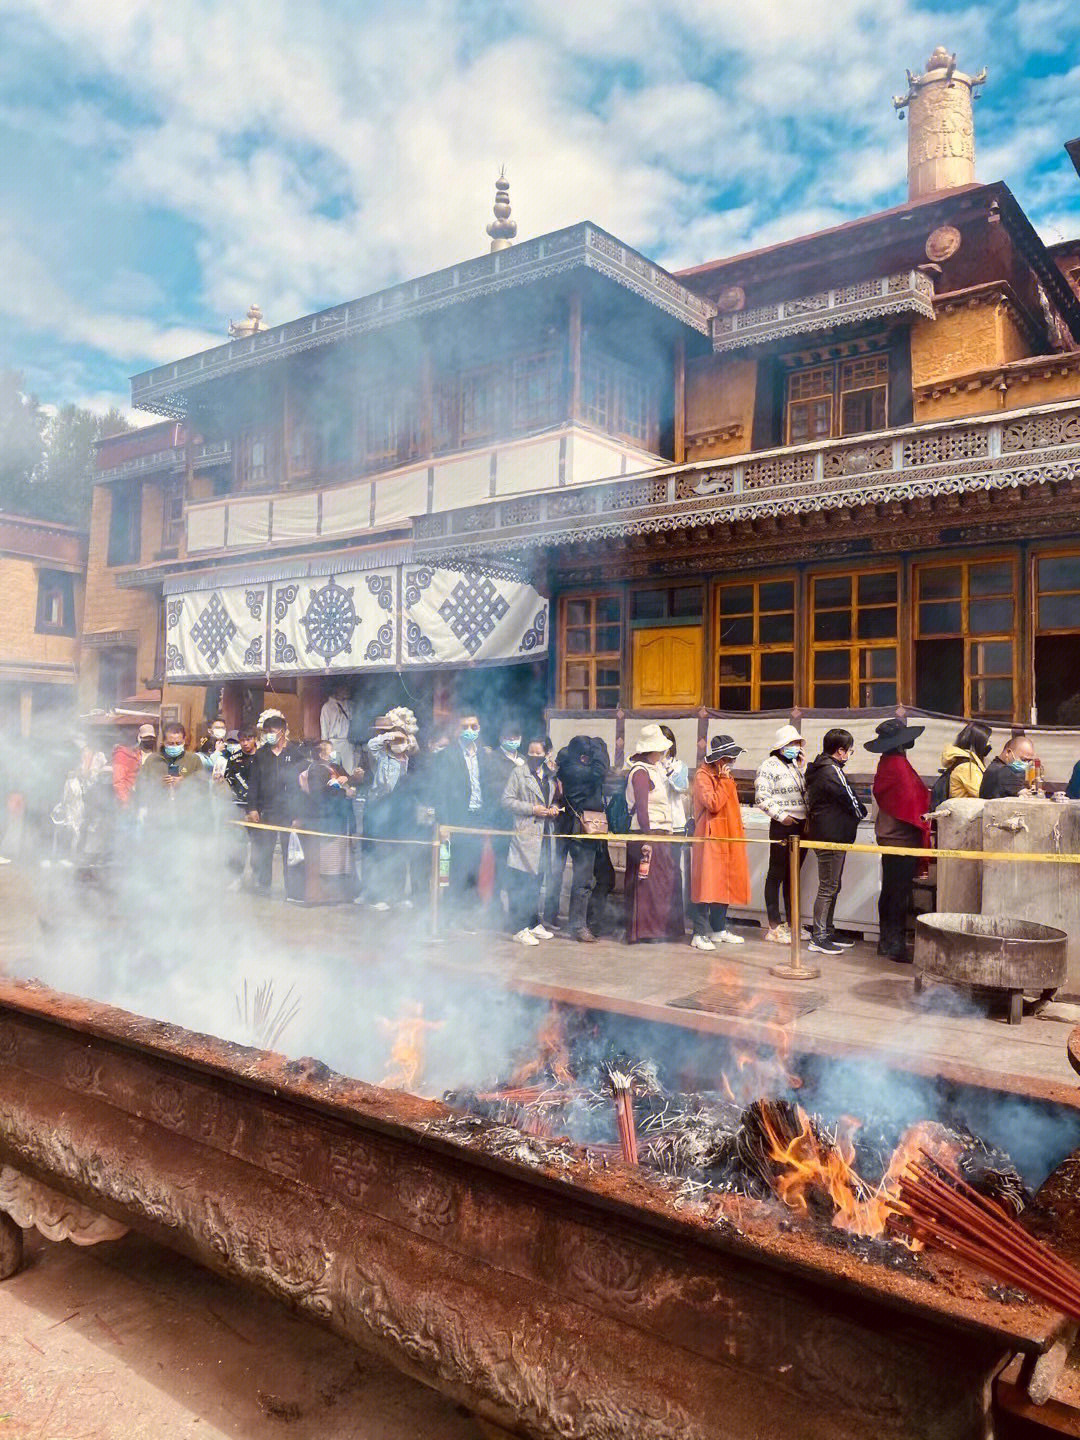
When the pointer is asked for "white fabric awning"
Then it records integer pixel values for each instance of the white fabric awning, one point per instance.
(395, 618)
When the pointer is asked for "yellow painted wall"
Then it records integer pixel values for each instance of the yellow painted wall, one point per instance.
(983, 399)
(19, 640)
(719, 392)
(955, 343)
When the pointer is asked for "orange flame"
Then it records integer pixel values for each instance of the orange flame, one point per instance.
(767, 1071)
(552, 1053)
(407, 1048)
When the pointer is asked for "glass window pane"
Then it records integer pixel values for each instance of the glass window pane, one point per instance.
(577, 676)
(1059, 572)
(832, 697)
(995, 578)
(736, 600)
(607, 678)
(1059, 612)
(877, 624)
(777, 697)
(941, 619)
(607, 699)
(579, 642)
(609, 609)
(734, 668)
(776, 629)
(577, 612)
(940, 582)
(737, 632)
(777, 595)
(686, 601)
(734, 697)
(878, 589)
(577, 699)
(832, 665)
(650, 605)
(883, 693)
(832, 625)
(991, 697)
(778, 665)
(987, 616)
(832, 590)
(608, 640)
(878, 664)
(991, 657)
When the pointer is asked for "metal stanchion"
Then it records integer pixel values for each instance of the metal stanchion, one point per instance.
(795, 970)
(436, 851)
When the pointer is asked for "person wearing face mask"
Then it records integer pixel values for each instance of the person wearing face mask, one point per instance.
(526, 799)
(273, 799)
(654, 899)
(213, 745)
(128, 760)
(392, 749)
(465, 791)
(833, 812)
(719, 873)
(1006, 775)
(166, 787)
(902, 802)
(780, 790)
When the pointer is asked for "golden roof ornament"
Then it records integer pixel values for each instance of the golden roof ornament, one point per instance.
(941, 133)
(252, 321)
(502, 229)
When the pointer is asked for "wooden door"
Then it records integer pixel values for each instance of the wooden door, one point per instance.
(666, 666)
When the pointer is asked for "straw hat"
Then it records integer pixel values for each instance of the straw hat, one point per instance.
(651, 740)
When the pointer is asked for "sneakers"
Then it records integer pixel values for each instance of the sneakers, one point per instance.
(727, 937)
(526, 937)
(836, 939)
(542, 932)
(701, 942)
(380, 905)
(778, 935)
(824, 946)
(585, 936)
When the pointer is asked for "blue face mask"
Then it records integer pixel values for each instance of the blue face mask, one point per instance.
(1018, 765)
(174, 751)
(790, 752)
(470, 737)
(512, 746)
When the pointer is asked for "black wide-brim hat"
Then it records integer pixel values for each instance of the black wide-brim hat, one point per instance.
(894, 734)
(722, 747)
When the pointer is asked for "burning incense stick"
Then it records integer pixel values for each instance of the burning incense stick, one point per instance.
(624, 1116)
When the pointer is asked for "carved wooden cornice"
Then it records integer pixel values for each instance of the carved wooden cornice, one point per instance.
(908, 292)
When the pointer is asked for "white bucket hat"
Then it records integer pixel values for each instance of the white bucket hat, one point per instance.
(651, 739)
(786, 735)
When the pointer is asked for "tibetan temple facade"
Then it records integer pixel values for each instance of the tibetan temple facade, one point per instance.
(837, 475)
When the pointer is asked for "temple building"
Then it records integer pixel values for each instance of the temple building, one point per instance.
(835, 476)
(42, 565)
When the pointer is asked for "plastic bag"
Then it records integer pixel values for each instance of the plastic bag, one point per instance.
(295, 851)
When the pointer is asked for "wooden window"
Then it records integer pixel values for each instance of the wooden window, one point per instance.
(389, 427)
(617, 399)
(1057, 638)
(965, 621)
(172, 515)
(755, 644)
(846, 397)
(55, 603)
(125, 525)
(511, 396)
(590, 651)
(853, 639)
(254, 460)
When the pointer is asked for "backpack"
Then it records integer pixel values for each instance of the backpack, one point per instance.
(939, 791)
(618, 813)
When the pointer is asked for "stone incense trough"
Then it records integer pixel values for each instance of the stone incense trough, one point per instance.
(551, 1298)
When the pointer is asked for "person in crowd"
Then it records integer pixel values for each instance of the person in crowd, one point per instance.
(212, 749)
(526, 799)
(127, 761)
(505, 760)
(682, 818)
(391, 749)
(327, 792)
(239, 756)
(581, 773)
(273, 799)
(464, 785)
(833, 812)
(1006, 774)
(335, 723)
(168, 793)
(780, 790)
(719, 870)
(654, 900)
(902, 804)
(596, 914)
(1072, 790)
(553, 879)
(965, 761)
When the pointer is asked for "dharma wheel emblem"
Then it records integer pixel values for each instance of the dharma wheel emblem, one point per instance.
(330, 620)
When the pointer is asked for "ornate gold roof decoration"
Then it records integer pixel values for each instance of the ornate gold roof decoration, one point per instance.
(252, 321)
(502, 229)
(941, 134)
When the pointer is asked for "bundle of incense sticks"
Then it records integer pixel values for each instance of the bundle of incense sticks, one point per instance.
(936, 1205)
(624, 1116)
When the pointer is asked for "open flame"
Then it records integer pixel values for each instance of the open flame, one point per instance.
(552, 1054)
(766, 1070)
(407, 1048)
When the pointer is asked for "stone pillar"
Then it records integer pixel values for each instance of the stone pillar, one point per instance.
(941, 133)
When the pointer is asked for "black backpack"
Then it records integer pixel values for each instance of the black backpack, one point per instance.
(618, 813)
(939, 791)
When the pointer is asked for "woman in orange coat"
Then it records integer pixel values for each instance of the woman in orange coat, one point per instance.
(719, 874)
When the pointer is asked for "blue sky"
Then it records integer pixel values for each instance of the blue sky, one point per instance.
(166, 164)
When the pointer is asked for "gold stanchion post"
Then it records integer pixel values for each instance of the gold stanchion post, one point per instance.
(436, 852)
(795, 969)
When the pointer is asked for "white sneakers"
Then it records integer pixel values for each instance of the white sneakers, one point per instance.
(779, 935)
(543, 933)
(380, 905)
(526, 937)
(727, 937)
(701, 942)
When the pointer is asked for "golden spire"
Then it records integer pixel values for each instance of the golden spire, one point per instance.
(252, 322)
(502, 229)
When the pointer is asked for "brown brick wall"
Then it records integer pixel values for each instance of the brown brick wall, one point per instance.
(19, 640)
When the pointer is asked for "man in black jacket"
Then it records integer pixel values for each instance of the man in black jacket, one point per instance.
(273, 799)
(1006, 775)
(833, 812)
(466, 792)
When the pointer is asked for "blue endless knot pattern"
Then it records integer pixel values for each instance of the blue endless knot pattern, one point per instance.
(173, 611)
(381, 648)
(253, 599)
(284, 653)
(534, 637)
(330, 620)
(472, 610)
(213, 631)
(382, 587)
(284, 595)
(253, 653)
(417, 644)
(416, 582)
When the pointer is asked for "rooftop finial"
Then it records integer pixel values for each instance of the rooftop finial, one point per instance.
(253, 321)
(502, 229)
(941, 136)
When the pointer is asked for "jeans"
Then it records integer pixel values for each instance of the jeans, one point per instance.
(778, 875)
(263, 845)
(830, 867)
(553, 878)
(708, 919)
(523, 895)
(603, 884)
(582, 855)
(894, 902)
(384, 876)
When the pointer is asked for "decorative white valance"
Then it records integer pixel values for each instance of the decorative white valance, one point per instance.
(399, 617)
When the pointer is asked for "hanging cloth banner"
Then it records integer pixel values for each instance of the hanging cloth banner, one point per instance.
(409, 617)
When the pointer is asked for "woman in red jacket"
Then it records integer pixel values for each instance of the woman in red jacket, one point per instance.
(902, 803)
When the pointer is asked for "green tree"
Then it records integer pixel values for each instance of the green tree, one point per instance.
(22, 442)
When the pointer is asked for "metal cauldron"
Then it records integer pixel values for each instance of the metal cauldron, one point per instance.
(992, 952)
